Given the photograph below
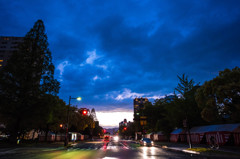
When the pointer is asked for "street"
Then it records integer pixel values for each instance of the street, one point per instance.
(124, 149)
(128, 150)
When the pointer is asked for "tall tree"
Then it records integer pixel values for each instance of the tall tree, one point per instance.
(219, 98)
(186, 103)
(27, 77)
(185, 85)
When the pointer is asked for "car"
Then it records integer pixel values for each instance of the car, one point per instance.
(146, 142)
(116, 138)
(106, 138)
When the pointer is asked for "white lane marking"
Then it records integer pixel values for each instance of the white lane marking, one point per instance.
(189, 151)
(124, 146)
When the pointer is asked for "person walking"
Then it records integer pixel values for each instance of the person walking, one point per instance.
(213, 143)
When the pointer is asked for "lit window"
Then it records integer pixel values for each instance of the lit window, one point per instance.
(1, 60)
(0, 65)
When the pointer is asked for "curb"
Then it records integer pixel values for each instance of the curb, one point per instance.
(179, 150)
(193, 152)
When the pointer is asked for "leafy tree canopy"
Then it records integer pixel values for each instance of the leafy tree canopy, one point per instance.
(219, 98)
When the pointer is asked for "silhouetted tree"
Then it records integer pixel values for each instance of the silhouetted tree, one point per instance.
(168, 113)
(25, 80)
(186, 102)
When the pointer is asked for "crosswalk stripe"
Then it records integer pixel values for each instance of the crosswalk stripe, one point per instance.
(101, 148)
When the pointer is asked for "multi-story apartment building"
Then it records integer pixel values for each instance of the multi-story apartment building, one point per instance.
(139, 118)
(8, 45)
(138, 104)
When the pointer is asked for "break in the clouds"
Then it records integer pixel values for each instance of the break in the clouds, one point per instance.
(60, 68)
(109, 52)
(92, 57)
(128, 94)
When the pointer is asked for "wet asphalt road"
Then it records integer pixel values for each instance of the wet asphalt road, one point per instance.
(131, 150)
(100, 150)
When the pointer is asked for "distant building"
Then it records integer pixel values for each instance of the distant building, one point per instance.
(123, 123)
(8, 45)
(129, 123)
(138, 105)
(112, 131)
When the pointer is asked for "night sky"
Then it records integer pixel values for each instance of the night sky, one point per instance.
(109, 52)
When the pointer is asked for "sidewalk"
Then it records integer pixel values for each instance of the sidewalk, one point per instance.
(8, 149)
(202, 149)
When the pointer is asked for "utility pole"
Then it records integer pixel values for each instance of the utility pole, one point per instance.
(66, 135)
(186, 125)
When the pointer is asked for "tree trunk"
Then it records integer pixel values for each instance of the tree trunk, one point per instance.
(56, 136)
(14, 133)
(46, 132)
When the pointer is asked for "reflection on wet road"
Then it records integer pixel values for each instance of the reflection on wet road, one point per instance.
(100, 150)
(131, 150)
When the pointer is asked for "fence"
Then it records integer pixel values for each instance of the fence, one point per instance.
(222, 138)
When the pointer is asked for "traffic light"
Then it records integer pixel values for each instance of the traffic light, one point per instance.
(125, 128)
(84, 111)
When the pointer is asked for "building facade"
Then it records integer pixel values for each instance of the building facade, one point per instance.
(140, 119)
(123, 123)
(8, 45)
(138, 105)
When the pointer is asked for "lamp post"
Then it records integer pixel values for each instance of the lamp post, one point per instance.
(66, 136)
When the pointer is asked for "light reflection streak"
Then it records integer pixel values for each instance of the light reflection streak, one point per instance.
(144, 152)
(114, 148)
(105, 146)
(148, 152)
(153, 151)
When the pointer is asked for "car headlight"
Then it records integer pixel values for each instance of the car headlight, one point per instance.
(116, 138)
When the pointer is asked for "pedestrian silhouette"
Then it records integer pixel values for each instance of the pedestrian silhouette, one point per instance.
(212, 140)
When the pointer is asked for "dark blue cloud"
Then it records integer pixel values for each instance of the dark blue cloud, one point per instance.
(111, 51)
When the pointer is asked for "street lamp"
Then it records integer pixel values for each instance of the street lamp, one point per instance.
(66, 137)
